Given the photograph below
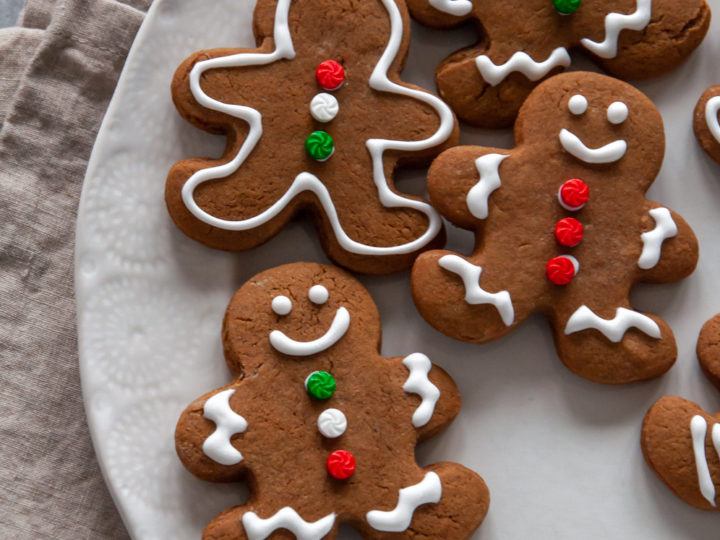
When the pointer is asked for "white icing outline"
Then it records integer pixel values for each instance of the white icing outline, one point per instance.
(577, 104)
(653, 240)
(429, 490)
(610, 153)
(614, 24)
(698, 430)
(488, 167)
(257, 528)
(617, 112)
(227, 423)
(332, 423)
(318, 294)
(711, 116)
(324, 107)
(419, 383)
(453, 7)
(306, 181)
(522, 62)
(289, 346)
(474, 293)
(281, 305)
(614, 329)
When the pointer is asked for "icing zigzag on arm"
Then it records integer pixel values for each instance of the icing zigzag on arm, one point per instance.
(698, 430)
(306, 181)
(614, 24)
(409, 498)
(614, 329)
(453, 7)
(217, 446)
(653, 240)
(477, 198)
(419, 383)
(521, 61)
(711, 117)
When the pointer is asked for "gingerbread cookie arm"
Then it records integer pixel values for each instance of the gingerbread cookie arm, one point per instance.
(669, 247)
(205, 437)
(706, 122)
(681, 444)
(613, 343)
(708, 350)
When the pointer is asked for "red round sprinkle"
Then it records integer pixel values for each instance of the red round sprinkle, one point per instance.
(330, 75)
(569, 232)
(341, 464)
(561, 270)
(573, 194)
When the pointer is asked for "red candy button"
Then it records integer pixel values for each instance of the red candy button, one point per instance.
(569, 232)
(573, 194)
(341, 464)
(330, 75)
(561, 270)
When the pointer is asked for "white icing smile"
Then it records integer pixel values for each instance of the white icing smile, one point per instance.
(610, 153)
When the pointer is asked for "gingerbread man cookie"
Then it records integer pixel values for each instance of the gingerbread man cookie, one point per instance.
(524, 41)
(562, 227)
(321, 426)
(707, 123)
(317, 121)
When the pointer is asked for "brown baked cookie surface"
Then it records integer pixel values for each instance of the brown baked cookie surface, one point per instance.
(317, 120)
(320, 425)
(707, 123)
(708, 350)
(562, 227)
(681, 444)
(523, 41)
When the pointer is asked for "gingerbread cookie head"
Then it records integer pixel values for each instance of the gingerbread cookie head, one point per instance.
(707, 122)
(322, 426)
(487, 83)
(317, 121)
(562, 227)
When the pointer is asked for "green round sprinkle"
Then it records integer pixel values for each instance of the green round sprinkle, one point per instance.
(566, 7)
(319, 145)
(320, 384)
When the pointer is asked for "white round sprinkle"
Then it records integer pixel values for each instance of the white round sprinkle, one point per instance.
(318, 294)
(281, 305)
(578, 104)
(332, 423)
(324, 107)
(617, 112)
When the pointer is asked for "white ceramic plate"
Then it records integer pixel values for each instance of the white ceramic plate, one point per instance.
(561, 455)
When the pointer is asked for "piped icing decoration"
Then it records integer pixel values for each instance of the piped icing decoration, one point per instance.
(521, 62)
(319, 145)
(320, 384)
(698, 431)
(616, 23)
(287, 518)
(573, 195)
(566, 7)
(281, 305)
(419, 383)
(617, 113)
(609, 153)
(614, 329)
(227, 423)
(712, 107)
(569, 232)
(318, 294)
(429, 490)
(305, 181)
(578, 104)
(474, 293)
(330, 75)
(286, 345)
(477, 198)
(332, 423)
(562, 269)
(453, 7)
(653, 240)
(324, 107)
(341, 464)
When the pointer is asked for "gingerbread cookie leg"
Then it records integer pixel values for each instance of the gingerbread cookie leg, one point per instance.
(681, 443)
(614, 344)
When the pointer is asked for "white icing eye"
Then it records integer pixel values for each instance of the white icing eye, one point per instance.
(617, 112)
(578, 104)
(318, 294)
(281, 305)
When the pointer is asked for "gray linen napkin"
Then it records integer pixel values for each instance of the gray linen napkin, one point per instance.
(58, 70)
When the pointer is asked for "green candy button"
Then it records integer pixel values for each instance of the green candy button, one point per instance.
(320, 384)
(319, 145)
(566, 7)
